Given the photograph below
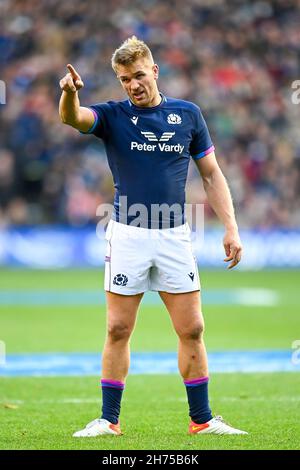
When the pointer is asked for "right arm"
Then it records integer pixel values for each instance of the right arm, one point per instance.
(70, 111)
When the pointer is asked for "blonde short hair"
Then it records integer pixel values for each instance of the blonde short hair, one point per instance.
(131, 50)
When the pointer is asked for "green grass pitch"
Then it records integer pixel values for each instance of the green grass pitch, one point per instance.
(42, 413)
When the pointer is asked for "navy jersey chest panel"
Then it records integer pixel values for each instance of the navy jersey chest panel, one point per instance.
(140, 135)
(148, 155)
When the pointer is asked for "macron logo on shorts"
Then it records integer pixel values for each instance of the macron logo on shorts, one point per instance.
(192, 275)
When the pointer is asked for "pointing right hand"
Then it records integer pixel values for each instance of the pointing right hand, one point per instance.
(71, 82)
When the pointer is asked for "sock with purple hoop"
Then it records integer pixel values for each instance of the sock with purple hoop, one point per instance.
(197, 393)
(112, 391)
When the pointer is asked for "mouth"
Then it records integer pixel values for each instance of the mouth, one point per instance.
(138, 96)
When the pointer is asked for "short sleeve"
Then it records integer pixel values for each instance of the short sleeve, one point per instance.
(201, 144)
(100, 126)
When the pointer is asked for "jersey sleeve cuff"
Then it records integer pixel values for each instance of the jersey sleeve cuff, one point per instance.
(91, 129)
(203, 154)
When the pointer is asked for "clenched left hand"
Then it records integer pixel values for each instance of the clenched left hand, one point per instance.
(233, 247)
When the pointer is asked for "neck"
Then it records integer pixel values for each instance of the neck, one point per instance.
(156, 99)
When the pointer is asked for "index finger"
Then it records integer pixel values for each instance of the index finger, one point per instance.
(73, 72)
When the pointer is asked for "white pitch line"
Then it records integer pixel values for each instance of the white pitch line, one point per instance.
(253, 297)
(64, 401)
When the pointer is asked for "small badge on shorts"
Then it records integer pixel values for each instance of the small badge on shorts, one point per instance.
(191, 275)
(120, 280)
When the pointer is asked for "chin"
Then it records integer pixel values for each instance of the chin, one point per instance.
(143, 102)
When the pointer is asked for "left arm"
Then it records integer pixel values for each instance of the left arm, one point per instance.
(220, 200)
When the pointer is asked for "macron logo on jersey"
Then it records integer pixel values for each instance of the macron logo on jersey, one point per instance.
(161, 143)
(134, 119)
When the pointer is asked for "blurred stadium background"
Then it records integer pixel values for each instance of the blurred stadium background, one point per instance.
(237, 60)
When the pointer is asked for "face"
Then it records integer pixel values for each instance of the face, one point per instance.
(139, 82)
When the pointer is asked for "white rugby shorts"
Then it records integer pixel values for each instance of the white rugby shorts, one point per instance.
(141, 259)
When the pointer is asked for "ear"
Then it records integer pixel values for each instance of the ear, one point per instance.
(155, 69)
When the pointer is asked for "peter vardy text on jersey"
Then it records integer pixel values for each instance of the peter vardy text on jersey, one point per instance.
(162, 147)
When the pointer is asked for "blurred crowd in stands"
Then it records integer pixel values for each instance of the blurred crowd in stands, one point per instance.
(236, 59)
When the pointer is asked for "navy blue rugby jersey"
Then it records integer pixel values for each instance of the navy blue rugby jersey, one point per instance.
(148, 151)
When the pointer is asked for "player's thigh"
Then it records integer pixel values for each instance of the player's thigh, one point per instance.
(127, 260)
(185, 311)
(122, 310)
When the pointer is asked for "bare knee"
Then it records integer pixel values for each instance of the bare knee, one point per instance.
(193, 332)
(119, 332)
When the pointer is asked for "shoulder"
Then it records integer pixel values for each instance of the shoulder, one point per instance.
(110, 107)
(184, 106)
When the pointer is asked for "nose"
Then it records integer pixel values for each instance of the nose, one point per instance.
(135, 85)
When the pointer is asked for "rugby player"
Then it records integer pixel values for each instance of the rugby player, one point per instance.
(149, 140)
